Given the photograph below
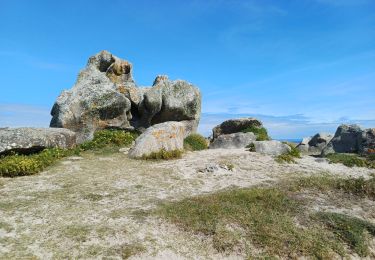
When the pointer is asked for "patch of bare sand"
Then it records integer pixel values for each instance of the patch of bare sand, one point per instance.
(96, 207)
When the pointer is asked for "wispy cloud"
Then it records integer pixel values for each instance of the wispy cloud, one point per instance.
(17, 115)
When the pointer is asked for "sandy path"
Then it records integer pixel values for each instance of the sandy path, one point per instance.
(94, 207)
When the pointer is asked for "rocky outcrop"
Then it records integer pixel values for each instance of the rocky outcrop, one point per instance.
(235, 126)
(315, 144)
(347, 139)
(368, 141)
(273, 147)
(29, 140)
(230, 141)
(106, 96)
(168, 136)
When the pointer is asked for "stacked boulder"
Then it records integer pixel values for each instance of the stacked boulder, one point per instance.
(315, 144)
(351, 139)
(232, 134)
(106, 96)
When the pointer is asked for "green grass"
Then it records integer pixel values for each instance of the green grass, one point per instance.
(290, 156)
(263, 217)
(195, 142)
(350, 160)
(21, 165)
(163, 155)
(353, 231)
(354, 186)
(251, 147)
(260, 133)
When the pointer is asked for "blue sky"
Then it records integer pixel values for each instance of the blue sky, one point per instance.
(302, 66)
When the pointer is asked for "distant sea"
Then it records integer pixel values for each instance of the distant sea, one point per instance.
(290, 140)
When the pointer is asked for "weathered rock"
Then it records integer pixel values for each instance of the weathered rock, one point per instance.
(347, 139)
(170, 101)
(106, 96)
(235, 126)
(315, 144)
(28, 140)
(230, 141)
(273, 147)
(304, 145)
(368, 141)
(168, 136)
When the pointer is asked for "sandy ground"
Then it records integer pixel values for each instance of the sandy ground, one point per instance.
(95, 206)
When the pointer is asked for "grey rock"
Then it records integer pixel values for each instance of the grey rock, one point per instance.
(368, 141)
(168, 136)
(315, 144)
(347, 139)
(106, 96)
(230, 141)
(235, 126)
(29, 140)
(170, 101)
(273, 147)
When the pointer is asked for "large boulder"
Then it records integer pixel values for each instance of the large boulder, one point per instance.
(273, 147)
(235, 126)
(368, 141)
(315, 144)
(230, 141)
(168, 136)
(106, 96)
(27, 140)
(347, 139)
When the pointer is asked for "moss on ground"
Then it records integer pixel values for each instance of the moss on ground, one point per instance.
(163, 155)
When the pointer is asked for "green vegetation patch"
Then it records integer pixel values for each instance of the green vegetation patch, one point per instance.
(290, 156)
(163, 155)
(21, 165)
(353, 231)
(351, 160)
(195, 142)
(103, 138)
(356, 186)
(264, 217)
(260, 133)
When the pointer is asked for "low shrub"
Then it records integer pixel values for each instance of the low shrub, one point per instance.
(251, 147)
(163, 155)
(195, 142)
(290, 156)
(350, 160)
(260, 133)
(107, 137)
(21, 165)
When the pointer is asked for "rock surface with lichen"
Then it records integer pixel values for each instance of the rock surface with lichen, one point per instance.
(106, 96)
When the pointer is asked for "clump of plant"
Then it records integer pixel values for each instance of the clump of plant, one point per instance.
(107, 137)
(356, 186)
(163, 155)
(22, 165)
(264, 217)
(251, 147)
(350, 160)
(290, 156)
(350, 230)
(260, 133)
(195, 142)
